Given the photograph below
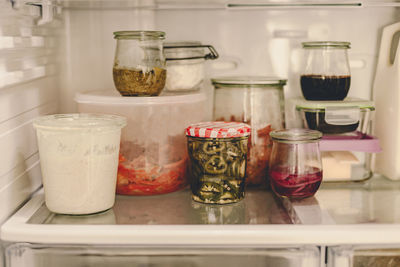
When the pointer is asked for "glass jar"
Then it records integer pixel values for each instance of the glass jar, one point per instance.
(295, 166)
(326, 74)
(257, 101)
(218, 154)
(185, 65)
(139, 64)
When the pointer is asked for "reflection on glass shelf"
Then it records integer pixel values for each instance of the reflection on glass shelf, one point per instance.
(374, 201)
(258, 207)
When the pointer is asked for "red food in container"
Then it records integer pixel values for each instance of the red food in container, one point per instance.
(153, 154)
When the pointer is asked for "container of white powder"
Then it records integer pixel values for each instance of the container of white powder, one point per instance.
(79, 161)
(186, 64)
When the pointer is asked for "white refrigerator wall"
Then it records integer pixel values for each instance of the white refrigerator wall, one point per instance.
(28, 88)
(88, 48)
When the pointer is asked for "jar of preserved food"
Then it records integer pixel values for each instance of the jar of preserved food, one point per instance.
(295, 166)
(257, 101)
(185, 65)
(326, 74)
(139, 64)
(218, 154)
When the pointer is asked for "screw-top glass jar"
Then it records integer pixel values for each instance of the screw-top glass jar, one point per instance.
(139, 64)
(295, 165)
(326, 74)
(218, 154)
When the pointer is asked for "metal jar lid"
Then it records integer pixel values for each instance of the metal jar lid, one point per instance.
(218, 129)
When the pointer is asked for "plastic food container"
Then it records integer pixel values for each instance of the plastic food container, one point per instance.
(218, 154)
(347, 160)
(79, 160)
(295, 168)
(185, 65)
(351, 116)
(257, 101)
(153, 155)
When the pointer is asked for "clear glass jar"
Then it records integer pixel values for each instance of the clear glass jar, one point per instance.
(326, 74)
(257, 101)
(295, 166)
(139, 63)
(218, 155)
(185, 65)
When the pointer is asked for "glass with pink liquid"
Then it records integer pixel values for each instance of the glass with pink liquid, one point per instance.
(295, 169)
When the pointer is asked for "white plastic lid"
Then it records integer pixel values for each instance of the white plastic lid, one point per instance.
(112, 97)
(81, 121)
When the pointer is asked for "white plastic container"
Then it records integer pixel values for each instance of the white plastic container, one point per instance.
(348, 160)
(79, 160)
(153, 156)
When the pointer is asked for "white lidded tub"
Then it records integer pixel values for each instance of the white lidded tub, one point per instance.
(153, 156)
(79, 160)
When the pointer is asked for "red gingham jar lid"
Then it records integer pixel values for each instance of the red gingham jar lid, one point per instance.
(218, 129)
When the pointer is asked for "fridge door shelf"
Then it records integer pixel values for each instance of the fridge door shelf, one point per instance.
(354, 213)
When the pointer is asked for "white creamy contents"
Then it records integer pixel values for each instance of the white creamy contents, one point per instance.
(184, 75)
(79, 168)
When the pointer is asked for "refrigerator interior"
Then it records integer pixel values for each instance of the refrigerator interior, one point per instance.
(23, 255)
(363, 256)
(50, 50)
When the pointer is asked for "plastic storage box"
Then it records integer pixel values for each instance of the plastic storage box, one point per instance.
(153, 155)
(347, 160)
(351, 116)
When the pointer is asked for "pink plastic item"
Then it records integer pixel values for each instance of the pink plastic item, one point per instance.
(368, 143)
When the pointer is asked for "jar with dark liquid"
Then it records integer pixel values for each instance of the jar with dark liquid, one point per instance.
(326, 74)
(295, 169)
